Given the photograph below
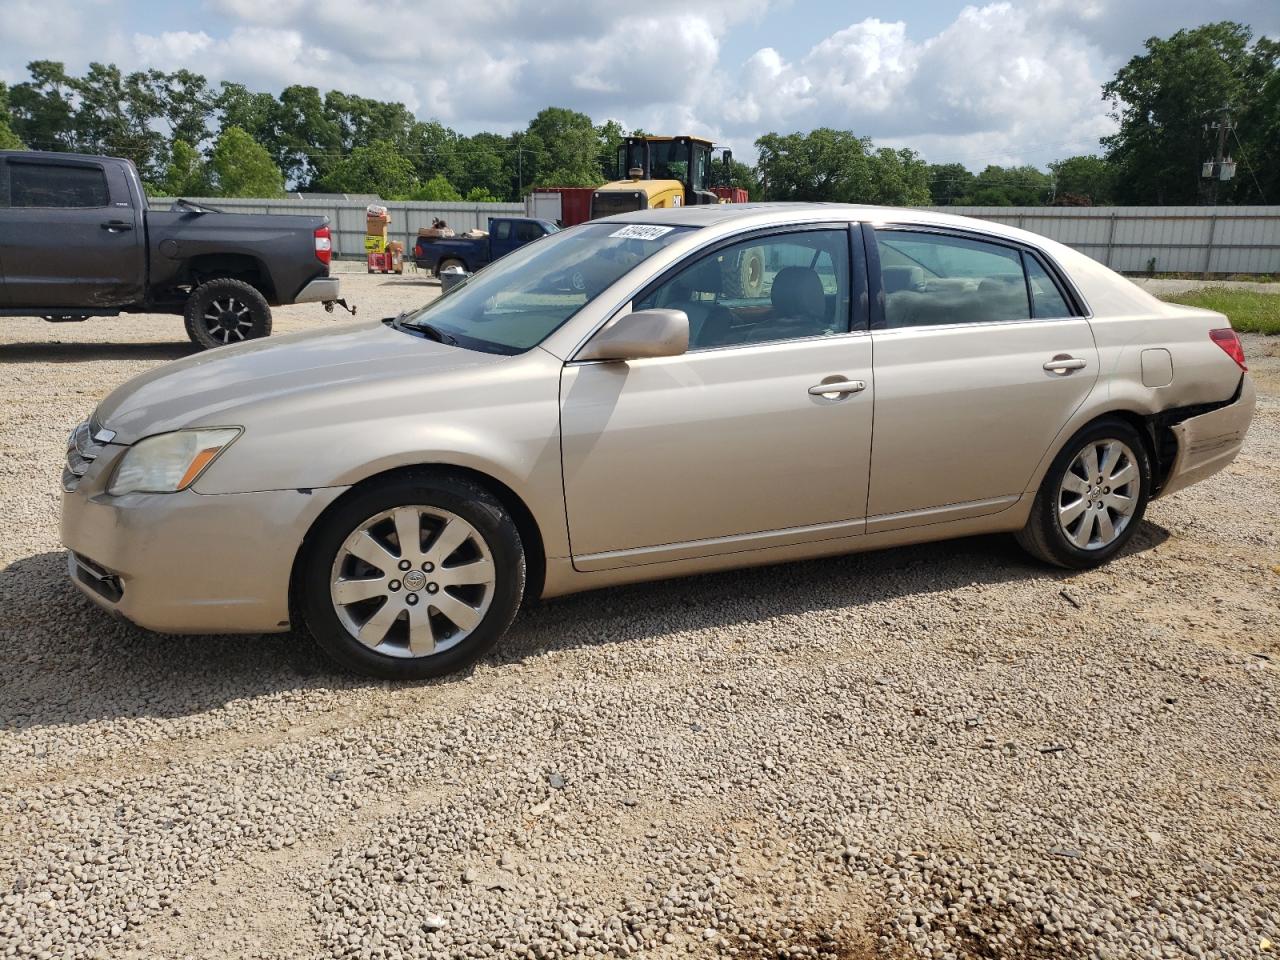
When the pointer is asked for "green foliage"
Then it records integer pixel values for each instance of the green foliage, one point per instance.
(563, 149)
(480, 195)
(438, 189)
(824, 164)
(1163, 99)
(950, 183)
(187, 175)
(8, 139)
(1010, 187)
(1084, 181)
(378, 168)
(1249, 312)
(241, 167)
(837, 165)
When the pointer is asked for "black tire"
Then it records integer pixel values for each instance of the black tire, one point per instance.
(1044, 536)
(743, 278)
(224, 311)
(456, 495)
(448, 262)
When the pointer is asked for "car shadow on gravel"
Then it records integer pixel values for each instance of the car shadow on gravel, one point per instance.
(61, 351)
(642, 611)
(63, 661)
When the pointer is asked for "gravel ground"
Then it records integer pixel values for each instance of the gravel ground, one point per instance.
(939, 751)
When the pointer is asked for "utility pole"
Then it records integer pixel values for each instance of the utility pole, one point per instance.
(1221, 168)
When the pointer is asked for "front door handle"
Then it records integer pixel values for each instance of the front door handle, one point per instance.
(1064, 363)
(117, 225)
(837, 387)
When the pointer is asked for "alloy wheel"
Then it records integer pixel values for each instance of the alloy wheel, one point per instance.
(228, 319)
(1099, 494)
(413, 581)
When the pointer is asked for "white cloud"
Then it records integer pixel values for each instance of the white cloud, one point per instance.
(996, 85)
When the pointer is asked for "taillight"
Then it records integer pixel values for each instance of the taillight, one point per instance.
(1227, 339)
(324, 245)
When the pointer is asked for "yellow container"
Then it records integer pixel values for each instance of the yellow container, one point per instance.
(375, 244)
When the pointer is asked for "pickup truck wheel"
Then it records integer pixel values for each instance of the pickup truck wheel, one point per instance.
(226, 311)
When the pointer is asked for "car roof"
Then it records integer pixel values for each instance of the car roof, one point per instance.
(55, 155)
(766, 214)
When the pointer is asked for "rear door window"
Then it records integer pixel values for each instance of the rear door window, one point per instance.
(931, 279)
(1046, 299)
(57, 185)
(502, 230)
(526, 232)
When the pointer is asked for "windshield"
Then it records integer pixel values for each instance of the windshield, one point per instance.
(518, 301)
(670, 160)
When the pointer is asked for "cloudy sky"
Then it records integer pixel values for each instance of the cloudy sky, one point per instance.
(1000, 82)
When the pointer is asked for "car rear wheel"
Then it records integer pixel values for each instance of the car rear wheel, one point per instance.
(414, 578)
(224, 311)
(1092, 499)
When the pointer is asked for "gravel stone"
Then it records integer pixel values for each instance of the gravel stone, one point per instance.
(921, 753)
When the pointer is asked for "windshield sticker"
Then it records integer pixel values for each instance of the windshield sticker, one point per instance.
(639, 231)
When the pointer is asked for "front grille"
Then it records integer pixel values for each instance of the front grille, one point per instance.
(83, 447)
(608, 203)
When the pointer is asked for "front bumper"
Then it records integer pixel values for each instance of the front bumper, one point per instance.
(319, 290)
(188, 562)
(1209, 442)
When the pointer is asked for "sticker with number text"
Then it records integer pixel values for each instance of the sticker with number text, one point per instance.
(641, 231)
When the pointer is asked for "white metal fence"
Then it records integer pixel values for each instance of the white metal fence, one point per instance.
(1202, 240)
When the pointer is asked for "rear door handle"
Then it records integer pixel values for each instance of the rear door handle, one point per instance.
(1064, 363)
(836, 387)
(116, 225)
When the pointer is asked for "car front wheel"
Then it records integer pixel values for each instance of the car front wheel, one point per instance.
(1092, 499)
(414, 578)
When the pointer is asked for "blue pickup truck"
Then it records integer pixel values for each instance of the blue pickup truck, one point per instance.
(471, 253)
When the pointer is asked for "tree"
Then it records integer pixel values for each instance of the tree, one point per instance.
(565, 149)
(1085, 180)
(118, 115)
(610, 134)
(737, 174)
(240, 167)
(186, 174)
(999, 186)
(8, 139)
(1163, 98)
(824, 164)
(438, 189)
(378, 168)
(899, 178)
(257, 114)
(482, 162)
(950, 183)
(480, 195)
(41, 109)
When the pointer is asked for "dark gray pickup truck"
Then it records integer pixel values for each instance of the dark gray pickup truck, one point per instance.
(77, 240)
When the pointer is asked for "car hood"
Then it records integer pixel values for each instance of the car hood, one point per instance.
(222, 387)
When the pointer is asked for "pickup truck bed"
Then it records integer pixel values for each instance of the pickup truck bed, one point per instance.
(471, 253)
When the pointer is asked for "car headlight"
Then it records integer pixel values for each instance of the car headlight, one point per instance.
(169, 462)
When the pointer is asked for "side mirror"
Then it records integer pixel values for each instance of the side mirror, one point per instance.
(635, 336)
